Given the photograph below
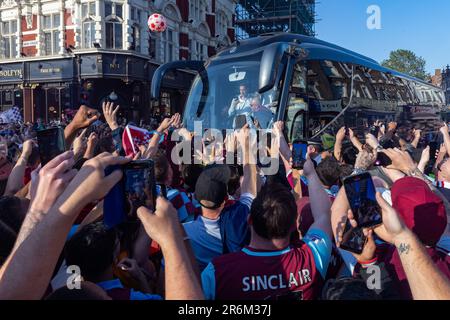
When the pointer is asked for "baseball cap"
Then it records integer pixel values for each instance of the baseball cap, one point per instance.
(212, 185)
(422, 211)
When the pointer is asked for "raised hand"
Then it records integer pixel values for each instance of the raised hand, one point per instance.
(91, 184)
(79, 144)
(393, 226)
(27, 149)
(176, 121)
(401, 160)
(51, 181)
(370, 247)
(372, 141)
(91, 144)
(110, 114)
(84, 117)
(162, 225)
(340, 135)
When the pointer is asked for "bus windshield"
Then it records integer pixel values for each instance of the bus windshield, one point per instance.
(231, 96)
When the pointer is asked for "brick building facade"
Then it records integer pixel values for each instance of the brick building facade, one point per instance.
(56, 54)
(446, 84)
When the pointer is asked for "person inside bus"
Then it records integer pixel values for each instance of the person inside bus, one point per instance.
(239, 103)
(260, 113)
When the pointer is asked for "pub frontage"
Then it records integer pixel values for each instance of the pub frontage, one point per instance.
(45, 88)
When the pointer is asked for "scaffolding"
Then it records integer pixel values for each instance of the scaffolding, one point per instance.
(255, 17)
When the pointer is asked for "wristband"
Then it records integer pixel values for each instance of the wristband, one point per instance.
(365, 264)
(358, 171)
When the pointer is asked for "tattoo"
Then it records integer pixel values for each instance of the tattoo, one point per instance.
(32, 219)
(404, 248)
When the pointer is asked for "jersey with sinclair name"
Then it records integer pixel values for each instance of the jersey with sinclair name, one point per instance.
(295, 273)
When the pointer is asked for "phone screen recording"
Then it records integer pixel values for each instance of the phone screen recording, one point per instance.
(361, 192)
(51, 143)
(139, 187)
(299, 151)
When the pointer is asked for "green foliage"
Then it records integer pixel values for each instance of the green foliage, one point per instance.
(406, 61)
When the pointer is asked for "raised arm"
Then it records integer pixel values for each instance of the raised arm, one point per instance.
(319, 199)
(440, 155)
(339, 211)
(340, 136)
(425, 280)
(424, 159)
(42, 237)
(110, 114)
(402, 161)
(249, 181)
(15, 180)
(90, 146)
(181, 282)
(445, 134)
(153, 145)
(355, 141)
(416, 140)
(84, 117)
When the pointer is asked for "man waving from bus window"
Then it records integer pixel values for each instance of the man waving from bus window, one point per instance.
(240, 102)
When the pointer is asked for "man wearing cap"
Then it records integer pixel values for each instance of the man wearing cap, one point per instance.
(318, 151)
(217, 229)
(424, 213)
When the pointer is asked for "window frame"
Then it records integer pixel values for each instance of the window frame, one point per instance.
(114, 20)
(53, 31)
(11, 36)
(136, 39)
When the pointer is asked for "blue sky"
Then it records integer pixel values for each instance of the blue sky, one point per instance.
(422, 26)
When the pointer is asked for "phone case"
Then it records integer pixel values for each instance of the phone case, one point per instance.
(114, 213)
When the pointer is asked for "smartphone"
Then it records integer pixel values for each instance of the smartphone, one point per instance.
(299, 150)
(240, 121)
(374, 131)
(433, 148)
(139, 187)
(360, 192)
(353, 239)
(51, 143)
(382, 160)
(113, 209)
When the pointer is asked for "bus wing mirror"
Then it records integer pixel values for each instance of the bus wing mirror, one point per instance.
(159, 74)
(270, 63)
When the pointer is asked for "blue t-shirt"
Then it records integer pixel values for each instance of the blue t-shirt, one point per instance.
(207, 236)
(134, 295)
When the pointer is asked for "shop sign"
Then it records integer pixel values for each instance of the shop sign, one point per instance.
(16, 73)
(30, 43)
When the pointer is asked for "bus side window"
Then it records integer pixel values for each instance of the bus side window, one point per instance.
(297, 104)
(295, 114)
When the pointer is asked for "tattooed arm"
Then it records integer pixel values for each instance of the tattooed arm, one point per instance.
(425, 279)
